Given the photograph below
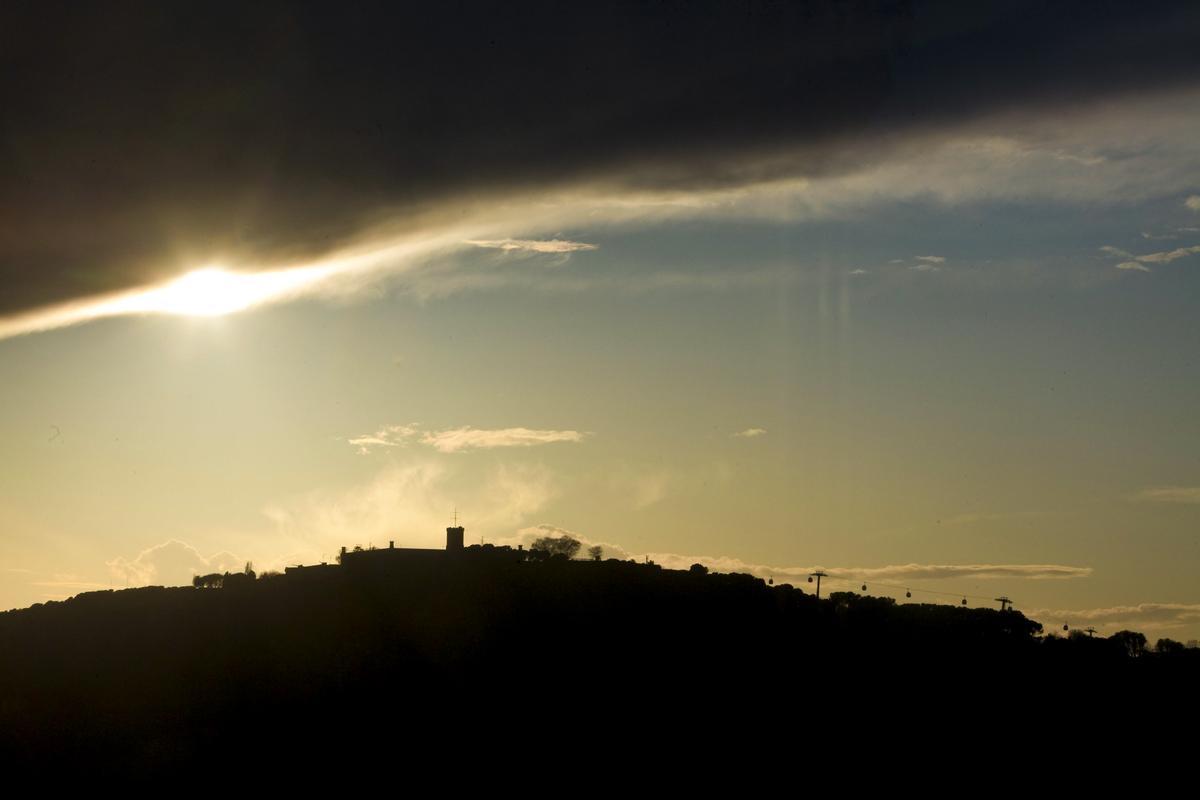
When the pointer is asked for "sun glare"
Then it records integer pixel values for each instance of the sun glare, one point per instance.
(214, 291)
(208, 292)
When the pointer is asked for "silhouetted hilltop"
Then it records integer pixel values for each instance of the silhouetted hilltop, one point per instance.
(389, 651)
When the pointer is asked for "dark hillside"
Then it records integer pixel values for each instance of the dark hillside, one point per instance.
(351, 661)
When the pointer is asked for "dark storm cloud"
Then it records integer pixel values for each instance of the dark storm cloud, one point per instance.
(141, 138)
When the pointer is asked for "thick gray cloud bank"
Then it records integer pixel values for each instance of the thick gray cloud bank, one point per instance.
(142, 139)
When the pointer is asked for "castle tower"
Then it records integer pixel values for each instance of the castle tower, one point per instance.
(454, 539)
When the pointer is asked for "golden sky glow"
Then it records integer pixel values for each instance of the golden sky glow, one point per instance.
(850, 371)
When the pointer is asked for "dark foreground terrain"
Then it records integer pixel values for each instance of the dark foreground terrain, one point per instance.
(534, 663)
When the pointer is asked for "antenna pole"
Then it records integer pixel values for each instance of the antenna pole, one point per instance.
(818, 575)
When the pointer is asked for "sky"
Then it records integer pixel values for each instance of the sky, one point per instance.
(904, 292)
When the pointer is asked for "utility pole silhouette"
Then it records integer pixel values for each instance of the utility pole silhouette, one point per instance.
(1004, 602)
(818, 575)
(1089, 631)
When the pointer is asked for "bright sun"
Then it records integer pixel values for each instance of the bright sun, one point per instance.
(206, 292)
(213, 291)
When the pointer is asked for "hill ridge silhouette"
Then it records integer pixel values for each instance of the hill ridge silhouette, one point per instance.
(329, 660)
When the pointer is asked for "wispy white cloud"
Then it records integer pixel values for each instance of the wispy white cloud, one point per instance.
(171, 563)
(1193, 202)
(527, 536)
(387, 436)
(467, 438)
(411, 503)
(751, 433)
(533, 245)
(926, 267)
(1167, 256)
(456, 440)
(859, 271)
(932, 259)
(1135, 262)
(1169, 494)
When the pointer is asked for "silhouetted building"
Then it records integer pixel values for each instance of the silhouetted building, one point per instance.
(311, 571)
(394, 558)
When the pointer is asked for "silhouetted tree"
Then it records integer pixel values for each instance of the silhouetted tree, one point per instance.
(1169, 646)
(698, 569)
(563, 545)
(1131, 642)
(236, 579)
(596, 552)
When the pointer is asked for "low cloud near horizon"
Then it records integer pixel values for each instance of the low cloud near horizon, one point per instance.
(526, 536)
(172, 563)
(1148, 616)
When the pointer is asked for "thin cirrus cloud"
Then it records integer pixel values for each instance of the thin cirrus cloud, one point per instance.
(929, 264)
(948, 571)
(467, 438)
(751, 433)
(1169, 494)
(1167, 256)
(533, 245)
(387, 436)
(456, 440)
(1138, 263)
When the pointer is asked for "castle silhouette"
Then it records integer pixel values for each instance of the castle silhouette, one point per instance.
(370, 559)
